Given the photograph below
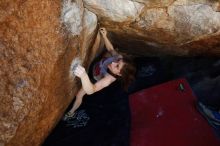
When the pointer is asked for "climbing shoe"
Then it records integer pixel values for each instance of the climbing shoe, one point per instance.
(68, 116)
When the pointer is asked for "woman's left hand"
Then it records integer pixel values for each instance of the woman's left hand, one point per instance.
(79, 71)
(103, 31)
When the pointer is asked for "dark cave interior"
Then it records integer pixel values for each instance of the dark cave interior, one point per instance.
(202, 74)
(153, 68)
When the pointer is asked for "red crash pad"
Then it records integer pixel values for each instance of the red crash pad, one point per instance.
(165, 115)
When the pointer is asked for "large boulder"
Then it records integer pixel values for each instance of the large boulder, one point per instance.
(41, 40)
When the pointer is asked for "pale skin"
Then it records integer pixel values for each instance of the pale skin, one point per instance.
(87, 86)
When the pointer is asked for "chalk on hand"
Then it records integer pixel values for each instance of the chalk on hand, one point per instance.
(74, 64)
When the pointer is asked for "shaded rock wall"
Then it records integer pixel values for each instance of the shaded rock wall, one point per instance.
(162, 27)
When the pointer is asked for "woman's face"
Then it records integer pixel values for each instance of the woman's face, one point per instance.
(115, 67)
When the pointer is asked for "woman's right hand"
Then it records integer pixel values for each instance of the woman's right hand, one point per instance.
(79, 71)
(103, 31)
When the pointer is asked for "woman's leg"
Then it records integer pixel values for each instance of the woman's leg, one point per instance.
(78, 101)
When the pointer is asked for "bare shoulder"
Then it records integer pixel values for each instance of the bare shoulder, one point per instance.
(115, 53)
(104, 82)
(108, 79)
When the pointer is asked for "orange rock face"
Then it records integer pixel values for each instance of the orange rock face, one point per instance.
(35, 56)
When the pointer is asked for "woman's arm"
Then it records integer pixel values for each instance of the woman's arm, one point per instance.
(107, 42)
(87, 86)
(96, 44)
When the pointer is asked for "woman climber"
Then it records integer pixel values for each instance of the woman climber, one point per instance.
(111, 67)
